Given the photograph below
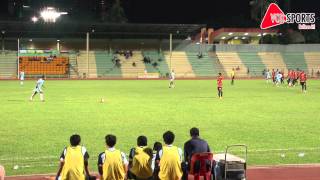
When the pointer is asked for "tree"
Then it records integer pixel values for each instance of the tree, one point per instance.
(259, 7)
(116, 13)
(312, 36)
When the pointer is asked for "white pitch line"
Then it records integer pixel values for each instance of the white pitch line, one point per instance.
(249, 151)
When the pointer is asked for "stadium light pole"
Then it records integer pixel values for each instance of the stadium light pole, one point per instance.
(2, 34)
(18, 56)
(170, 51)
(87, 45)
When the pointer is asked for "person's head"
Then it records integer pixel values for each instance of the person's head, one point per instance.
(111, 140)
(168, 137)
(157, 146)
(194, 132)
(42, 76)
(75, 140)
(172, 70)
(232, 69)
(220, 74)
(142, 141)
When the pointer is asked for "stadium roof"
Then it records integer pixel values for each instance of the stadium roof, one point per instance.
(16, 29)
(231, 33)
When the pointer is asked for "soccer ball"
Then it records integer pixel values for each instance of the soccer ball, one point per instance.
(102, 100)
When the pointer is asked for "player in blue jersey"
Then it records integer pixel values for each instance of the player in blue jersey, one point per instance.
(38, 89)
(21, 77)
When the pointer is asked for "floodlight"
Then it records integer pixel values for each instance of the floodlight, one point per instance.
(50, 14)
(34, 19)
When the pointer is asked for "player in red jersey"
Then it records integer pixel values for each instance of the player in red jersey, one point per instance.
(273, 76)
(219, 84)
(295, 78)
(303, 81)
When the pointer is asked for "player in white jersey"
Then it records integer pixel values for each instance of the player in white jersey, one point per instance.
(21, 77)
(38, 89)
(172, 77)
(278, 78)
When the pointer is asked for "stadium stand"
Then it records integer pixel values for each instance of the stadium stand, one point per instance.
(217, 63)
(295, 60)
(35, 65)
(253, 62)
(313, 61)
(8, 65)
(156, 57)
(128, 69)
(180, 64)
(85, 67)
(231, 60)
(204, 66)
(105, 66)
(273, 60)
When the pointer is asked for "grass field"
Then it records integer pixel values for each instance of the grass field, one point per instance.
(270, 120)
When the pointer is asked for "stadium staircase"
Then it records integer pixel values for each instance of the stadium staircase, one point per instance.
(273, 60)
(313, 61)
(217, 63)
(231, 60)
(180, 64)
(203, 67)
(295, 60)
(8, 65)
(162, 66)
(105, 66)
(253, 62)
(127, 68)
(73, 66)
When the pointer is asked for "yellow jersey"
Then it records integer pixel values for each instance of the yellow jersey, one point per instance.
(113, 167)
(73, 168)
(170, 164)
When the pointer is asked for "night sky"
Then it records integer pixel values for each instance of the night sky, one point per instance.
(212, 12)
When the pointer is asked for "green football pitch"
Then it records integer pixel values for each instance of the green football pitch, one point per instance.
(279, 125)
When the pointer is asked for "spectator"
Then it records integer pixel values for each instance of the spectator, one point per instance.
(74, 161)
(194, 145)
(112, 164)
(2, 173)
(170, 158)
(140, 160)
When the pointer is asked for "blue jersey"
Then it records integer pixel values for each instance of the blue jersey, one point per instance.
(21, 75)
(39, 85)
(279, 76)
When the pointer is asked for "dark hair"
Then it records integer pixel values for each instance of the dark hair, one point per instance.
(75, 140)
(168, 137)
(219, 74)
(194, 132)
(142, 141)
(42, 76)
(111, 140)
(157, 146)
